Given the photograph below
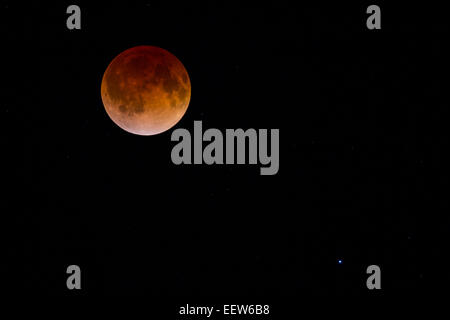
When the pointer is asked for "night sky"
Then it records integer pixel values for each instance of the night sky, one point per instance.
(364, 162)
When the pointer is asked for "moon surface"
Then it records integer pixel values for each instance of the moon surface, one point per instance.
(146, 90)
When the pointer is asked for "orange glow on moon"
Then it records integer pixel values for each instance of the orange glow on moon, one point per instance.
(146, 90)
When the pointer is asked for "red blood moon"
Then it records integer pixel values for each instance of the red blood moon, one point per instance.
(146, 90)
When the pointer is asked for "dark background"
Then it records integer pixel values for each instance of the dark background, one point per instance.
(363, 118)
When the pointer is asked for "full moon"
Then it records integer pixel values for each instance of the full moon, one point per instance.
(146, 90)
